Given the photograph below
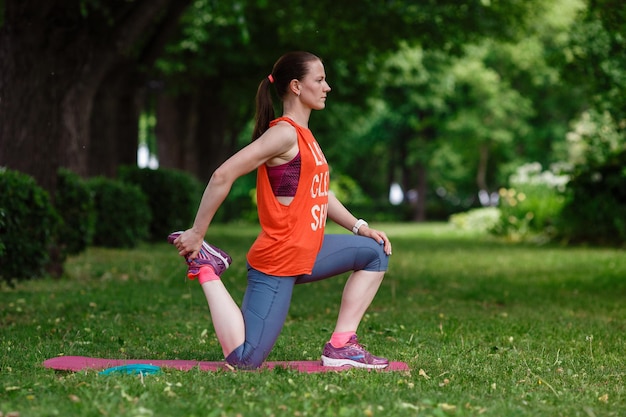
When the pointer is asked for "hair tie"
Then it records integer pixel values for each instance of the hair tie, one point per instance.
(269, 77)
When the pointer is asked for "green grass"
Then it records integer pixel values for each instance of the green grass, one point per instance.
(487, 329)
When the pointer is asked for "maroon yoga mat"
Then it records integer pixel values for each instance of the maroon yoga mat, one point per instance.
(79, 363)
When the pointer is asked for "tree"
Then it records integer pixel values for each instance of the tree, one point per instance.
(444, 116)
(63, 61)
(212, 70)
(414, 88)
(487, 117)
(464, 124)
(55, 57)
(597, 143)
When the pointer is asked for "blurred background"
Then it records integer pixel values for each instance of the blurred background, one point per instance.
(439, 108)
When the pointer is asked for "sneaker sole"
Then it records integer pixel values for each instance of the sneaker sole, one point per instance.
(216, 253)
(326, 361)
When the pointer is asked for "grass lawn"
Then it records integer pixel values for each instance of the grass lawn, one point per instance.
(487, 329)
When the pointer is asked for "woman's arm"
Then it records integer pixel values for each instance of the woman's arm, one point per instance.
(340, 215)
(276, 141)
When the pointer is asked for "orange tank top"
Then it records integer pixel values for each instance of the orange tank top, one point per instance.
(291, 236)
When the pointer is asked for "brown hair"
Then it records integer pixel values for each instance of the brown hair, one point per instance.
(291, 66)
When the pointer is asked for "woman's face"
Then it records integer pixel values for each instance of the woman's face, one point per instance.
(313, 87)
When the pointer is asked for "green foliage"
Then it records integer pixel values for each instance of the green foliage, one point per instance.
(531, 207)
(240, 205)
(2, 226)
(173, 197)
(75, 204)
(594, 140)
(469, 118)
(347, 190)
(597, 197)
(596, 145)
(481, 220)
(229, 47)
(597, 56)
(595, 210)
(122, 213)
(28, 223)
(380, 211)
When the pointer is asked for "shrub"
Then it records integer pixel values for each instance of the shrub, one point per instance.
(75, 204)
(240, 204)
(122, 213)
(173, 197)
(595, 211)
(2, 226)
(347, 190)
(483, 219)
(530, 208)
(28, 223)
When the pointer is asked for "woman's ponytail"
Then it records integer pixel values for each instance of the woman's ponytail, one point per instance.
(264, 108)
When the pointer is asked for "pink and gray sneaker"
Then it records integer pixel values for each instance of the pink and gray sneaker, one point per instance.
(209, 255)
(352, 354)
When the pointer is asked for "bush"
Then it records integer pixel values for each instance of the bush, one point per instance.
(75, 204)
(28, 223)
(483, 219)
(2, 226)
(530, 208)
(240, 204)
(173, 197)
(595, 211)
(122, 213)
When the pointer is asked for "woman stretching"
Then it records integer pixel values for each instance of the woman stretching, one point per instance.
(293, 204)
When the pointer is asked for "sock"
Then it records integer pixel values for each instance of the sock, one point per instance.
(207, 274)
(339, 339)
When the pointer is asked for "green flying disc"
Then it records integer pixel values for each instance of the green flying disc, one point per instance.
(132, 369)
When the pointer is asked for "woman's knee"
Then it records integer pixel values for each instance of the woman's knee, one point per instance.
(242, 359)
(376, 260)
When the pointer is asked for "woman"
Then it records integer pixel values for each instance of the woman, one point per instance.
(293, 204)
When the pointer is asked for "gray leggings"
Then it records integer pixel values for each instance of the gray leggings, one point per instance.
(267, 298)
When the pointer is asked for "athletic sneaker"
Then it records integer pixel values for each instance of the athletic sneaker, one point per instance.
(352, 354)
(208, 255)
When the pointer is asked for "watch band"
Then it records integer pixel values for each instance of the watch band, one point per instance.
(357, 225)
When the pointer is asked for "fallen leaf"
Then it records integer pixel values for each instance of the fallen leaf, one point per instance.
(447, 407)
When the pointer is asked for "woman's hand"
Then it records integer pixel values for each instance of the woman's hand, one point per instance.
(378, 236)
(189, 244)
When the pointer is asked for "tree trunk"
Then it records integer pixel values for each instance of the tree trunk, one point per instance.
(54, 59)
(115, 121)
(481, 170)
(216, 136)
(34, 84)
(30, 116)
(422, 189)
(122, 96)
(196, 132)
(177, 124)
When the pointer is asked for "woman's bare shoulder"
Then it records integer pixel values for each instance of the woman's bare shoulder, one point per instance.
(282, 134)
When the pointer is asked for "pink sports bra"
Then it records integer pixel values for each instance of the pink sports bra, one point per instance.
(284, 178)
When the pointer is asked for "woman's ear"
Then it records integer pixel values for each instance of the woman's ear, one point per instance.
(294, 87)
